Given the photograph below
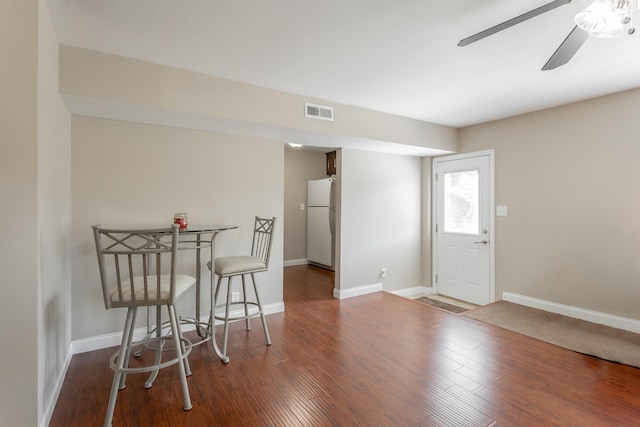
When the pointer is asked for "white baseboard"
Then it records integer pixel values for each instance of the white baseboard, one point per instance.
(113, 339)
(417, 290)
(354, 292)
(51, 404)
(606, 319)
(293, 262)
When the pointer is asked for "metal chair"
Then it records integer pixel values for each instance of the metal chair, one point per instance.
(132, 276)
(231, 266)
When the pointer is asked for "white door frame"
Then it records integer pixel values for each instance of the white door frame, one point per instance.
(434, 213)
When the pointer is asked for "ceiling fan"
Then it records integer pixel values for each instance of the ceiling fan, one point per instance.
(603, 18)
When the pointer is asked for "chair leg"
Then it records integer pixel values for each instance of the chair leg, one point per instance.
(187, 367)
(214, 302)
(212, 322)
(227, 312)
(264, 320)
(117, 374)
(175, 331)
(246, 305)
(127, 354)
(158, 353)
(149, 331)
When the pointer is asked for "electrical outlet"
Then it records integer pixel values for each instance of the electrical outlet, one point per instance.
(235, 296)
(383, 272)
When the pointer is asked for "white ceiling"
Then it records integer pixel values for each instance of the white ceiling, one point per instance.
(395, 56)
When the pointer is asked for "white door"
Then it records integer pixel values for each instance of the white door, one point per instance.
(463, 229)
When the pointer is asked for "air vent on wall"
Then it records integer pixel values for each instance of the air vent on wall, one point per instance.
(320, 112)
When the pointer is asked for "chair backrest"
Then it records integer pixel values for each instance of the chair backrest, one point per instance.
(130, 265)
(262, 238)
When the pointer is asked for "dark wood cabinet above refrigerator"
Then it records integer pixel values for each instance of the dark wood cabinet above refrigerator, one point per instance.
(331, 163)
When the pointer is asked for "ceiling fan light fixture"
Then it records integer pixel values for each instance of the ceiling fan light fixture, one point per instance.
(590, 21)
(592, 18)
(605, 18)
(617, 29)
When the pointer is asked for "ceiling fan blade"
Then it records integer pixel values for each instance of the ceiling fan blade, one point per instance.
(567, 49)
(514, 21)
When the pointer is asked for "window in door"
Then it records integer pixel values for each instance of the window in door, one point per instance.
(461, 202)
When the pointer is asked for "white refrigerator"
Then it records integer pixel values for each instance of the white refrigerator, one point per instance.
(320, 222)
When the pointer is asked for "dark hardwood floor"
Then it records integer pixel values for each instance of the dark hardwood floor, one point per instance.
(373, 360)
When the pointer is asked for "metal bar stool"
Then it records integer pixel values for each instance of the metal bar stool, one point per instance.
(128, 281)
(231, 266)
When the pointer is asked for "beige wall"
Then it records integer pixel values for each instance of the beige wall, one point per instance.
(379, 220)
(35, 194)
(300, 165)
(18, 192)
(569, 177)
(54, 221)
(128, 174)
(426, 226)
(107, 77)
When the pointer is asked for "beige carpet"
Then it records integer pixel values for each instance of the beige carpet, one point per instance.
(584, 337)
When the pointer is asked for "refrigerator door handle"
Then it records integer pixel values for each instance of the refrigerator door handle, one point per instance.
(332, 221)
(332, 209)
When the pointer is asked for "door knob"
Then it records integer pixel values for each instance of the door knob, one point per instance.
(483, 241)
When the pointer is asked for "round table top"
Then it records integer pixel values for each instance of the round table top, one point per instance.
(206, 228)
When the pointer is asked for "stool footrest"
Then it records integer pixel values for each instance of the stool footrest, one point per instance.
(240, 311)
(154, 367)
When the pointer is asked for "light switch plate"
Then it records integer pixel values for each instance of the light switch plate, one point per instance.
(501, 210)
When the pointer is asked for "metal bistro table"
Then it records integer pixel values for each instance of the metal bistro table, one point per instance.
(193, 237)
